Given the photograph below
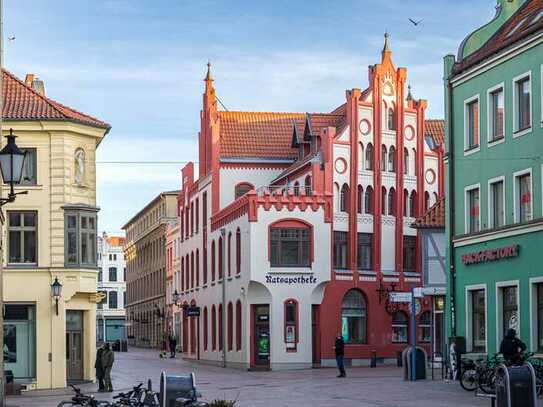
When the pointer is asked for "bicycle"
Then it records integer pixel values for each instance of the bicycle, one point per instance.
(131, 398)
(81, 399)
(480, 374)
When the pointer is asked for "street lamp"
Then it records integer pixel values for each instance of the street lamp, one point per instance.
(56, 291)
(12, 160)
(176, 297)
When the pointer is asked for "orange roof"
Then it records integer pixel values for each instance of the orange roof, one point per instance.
(258, 134)
(21, 102)
(435, 129)
(433, 218)
(116, 240)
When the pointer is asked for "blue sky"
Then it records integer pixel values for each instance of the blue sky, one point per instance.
(139, 64)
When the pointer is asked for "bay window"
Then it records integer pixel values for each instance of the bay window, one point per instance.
(80, 237)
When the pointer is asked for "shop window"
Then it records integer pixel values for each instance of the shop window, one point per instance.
(523, 191)
(238, 251)
(399, 327)
(20, 340)
(509, 297)
(523, 100)
(80, 238)
(473, 223)
(112, 304)
(290, 245)
(291, 325)
(539, 288)
(113, 274)
(230, 323)
(365, 251)
(369, 157)
(22, 237)
(206, 327)
(213, 328)
(425, 327)
(368, 201)
(478, 321)
(354, 317)
(471, 121)
(340, 250)
(241, 189)
(409, 253)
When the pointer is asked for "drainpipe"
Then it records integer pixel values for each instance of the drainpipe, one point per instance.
(223, 313)
(452, 209)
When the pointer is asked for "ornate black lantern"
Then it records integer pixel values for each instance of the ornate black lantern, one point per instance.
(12, 161)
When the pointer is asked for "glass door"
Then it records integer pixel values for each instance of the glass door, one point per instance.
(262, 335)
(74, 346)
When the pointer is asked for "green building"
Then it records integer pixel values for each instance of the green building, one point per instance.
(494, 165)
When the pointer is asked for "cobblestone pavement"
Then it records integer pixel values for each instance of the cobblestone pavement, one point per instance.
(364, 387)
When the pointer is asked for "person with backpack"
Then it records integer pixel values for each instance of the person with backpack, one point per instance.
(512, 347)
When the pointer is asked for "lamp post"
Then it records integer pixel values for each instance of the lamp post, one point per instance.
(56, 291)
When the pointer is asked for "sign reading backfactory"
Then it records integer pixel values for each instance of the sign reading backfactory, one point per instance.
(489, 255)
(291, 280)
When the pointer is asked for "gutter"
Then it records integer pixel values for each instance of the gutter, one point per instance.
(452, 209)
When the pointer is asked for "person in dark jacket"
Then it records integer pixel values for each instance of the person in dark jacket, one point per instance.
(99, 369)
(107, 363)
(173, 345)
(512, 347)
(339, 348)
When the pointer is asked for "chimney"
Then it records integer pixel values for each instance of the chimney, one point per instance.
(35, 83)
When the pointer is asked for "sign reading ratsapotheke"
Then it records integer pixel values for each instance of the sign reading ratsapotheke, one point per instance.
(489, 255)
(291, 280)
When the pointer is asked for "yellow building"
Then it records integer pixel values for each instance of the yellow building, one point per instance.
(49, 234)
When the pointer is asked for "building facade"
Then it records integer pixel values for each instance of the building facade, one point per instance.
(494, 215)
(299, 226)
(50, 234)
(173, 273)
(111, 312)
(145, 257)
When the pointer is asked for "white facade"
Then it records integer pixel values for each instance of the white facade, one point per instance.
(111, 313)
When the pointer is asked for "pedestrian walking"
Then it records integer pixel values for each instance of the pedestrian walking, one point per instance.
(99, 369)
(340, 351)
(173, 345)
(107, 363)
(512, 347)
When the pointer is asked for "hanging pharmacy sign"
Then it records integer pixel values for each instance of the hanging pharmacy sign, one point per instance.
(488, 255)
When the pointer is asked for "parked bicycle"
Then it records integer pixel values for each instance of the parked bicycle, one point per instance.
(131, 398)
(480, 374)
(81, 399)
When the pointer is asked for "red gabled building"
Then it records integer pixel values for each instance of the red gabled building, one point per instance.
(306, 220)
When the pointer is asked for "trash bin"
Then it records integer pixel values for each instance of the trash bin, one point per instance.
(516, 386)
(124, 345)
(420, 363)
(174, 388)
(116, 346)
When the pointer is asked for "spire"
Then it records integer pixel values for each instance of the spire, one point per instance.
(386, 47)
(209, 78)
(409, 95)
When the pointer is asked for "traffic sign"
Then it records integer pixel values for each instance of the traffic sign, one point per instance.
(400, 297)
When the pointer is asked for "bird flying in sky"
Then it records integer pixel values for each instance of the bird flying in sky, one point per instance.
(415, 23)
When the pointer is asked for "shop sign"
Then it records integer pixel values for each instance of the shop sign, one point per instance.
(193, 312)
(489, 255)
(400, 297)
(291, 280)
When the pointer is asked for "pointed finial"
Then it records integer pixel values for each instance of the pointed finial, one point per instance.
(409, 95)
(386, 47)
(208, 77)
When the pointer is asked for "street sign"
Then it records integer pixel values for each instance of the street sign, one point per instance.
(193, 311)
(400, 297)
(417, 292)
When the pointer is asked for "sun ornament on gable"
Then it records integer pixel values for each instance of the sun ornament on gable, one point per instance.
(388, 86)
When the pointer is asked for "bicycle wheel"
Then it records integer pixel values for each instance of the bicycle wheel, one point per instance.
(65, 403)
(469, 380)
(487, 382)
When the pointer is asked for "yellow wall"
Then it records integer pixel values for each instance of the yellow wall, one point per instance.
(56, 143)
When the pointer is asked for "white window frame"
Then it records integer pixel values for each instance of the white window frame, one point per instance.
(467, 149)
(533, 282)
(541, 95)
(466, 209)
(489, 92)
(516, 209)
(469, 315)
(516, 132)
(490, 205)
(499, 308)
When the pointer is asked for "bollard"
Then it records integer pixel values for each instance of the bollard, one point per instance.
(373, 362)
(399, 361)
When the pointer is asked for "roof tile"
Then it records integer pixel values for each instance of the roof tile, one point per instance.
(433, 218)
(436, 130)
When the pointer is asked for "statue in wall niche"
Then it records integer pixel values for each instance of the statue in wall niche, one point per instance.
(79, 166)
